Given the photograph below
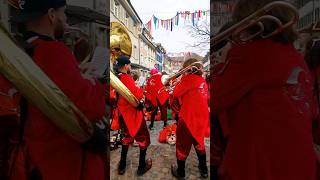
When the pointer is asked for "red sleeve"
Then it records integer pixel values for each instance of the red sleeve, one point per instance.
(236, 81)
(128, 81)
(181, 88)
(147, 88)
(57, 61)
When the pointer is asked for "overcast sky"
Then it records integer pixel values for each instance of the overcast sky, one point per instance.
(173, 41)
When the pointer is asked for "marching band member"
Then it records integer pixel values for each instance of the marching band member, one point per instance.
(157, 95)
(266, 93)
(52, 154)
(219, 131)
(193, 119)
(131, 118)
(312, 57)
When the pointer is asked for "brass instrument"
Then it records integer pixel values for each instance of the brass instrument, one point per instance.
(38, 89)
(120, 44)
(165, 79)
(235, 32)
(173, 80)
(70, 29)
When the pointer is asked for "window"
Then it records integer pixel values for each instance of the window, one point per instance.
(116, 10)
(112, 5)
(126, 20)
(121, 12)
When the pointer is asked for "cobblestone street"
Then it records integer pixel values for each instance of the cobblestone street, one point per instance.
(163, 155)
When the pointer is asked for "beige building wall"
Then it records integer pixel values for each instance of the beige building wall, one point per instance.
(147, 50)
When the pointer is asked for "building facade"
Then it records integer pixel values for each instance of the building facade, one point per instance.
(220, 13)
(179, 58)
(167, 64)
(147, 50)
(92, 18)
(160, 55)
(206, 62)
(122, 11)
(309, 11)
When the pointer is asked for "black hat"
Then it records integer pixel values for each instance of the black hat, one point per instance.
(123, 60)
(31, 9)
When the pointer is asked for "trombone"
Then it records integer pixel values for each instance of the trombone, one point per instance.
(173, 80)
(235, 32)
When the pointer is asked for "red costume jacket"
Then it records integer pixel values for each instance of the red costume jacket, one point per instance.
(132, 116)
(316, 78)
(266, 95)
(193, 94)
(50, 149)
(153, 86)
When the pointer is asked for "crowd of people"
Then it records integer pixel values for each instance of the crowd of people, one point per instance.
(186, 95)
(262, 97)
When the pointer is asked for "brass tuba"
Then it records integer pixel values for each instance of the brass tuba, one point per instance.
(38, 89)
(120, 44)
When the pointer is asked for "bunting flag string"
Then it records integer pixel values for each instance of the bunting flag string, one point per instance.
(169, 24)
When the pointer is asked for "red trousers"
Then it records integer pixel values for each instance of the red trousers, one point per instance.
(185, 141)
(163, 111)
(142, 137)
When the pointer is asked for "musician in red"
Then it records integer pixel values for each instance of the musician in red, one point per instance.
(312, 57)
(131, 118)
(266, 93)
(219, 132)
(193, 119)
(48, 153)
(157, 95)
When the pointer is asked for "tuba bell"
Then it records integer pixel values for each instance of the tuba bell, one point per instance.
(120, 44)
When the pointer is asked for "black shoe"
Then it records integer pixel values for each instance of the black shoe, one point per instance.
(121, 168)
(202, 165)
(165, 124)
(143, 169)
(123, 160)
(203, 171)
(175, 173)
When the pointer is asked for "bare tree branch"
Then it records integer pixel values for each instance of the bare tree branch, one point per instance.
(201, 32)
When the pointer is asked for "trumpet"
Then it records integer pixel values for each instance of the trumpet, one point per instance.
(236, 32)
